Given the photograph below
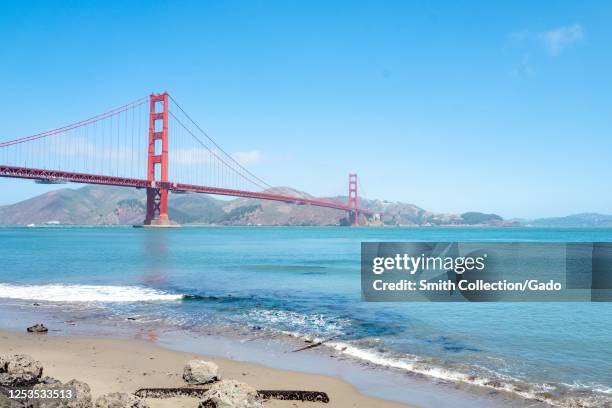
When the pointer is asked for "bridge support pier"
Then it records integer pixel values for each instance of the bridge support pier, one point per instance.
(157, 162)
(157, 207)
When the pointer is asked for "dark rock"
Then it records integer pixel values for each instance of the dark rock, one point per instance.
(494, 384)
(49, 381)
(38, 328)
(4, 359)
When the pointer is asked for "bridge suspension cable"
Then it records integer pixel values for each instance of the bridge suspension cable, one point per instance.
(161, 150)
(114, 143)
(260, 182)
(75, 125)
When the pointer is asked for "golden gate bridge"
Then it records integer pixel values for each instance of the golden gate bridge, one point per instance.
(152, 144)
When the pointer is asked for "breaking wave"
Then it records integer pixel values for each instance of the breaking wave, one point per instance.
(84, 293)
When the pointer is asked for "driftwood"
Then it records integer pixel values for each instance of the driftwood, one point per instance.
(170, 392)
(313, 345)
(313, 396)
(287, 395)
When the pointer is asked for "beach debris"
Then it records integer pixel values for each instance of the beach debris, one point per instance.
(231, 394)
(286, 395)
(197, 372)
(120, 400)
(171, 392)
(294, 395)
(37, 328)
(19, 370)
(313, 345)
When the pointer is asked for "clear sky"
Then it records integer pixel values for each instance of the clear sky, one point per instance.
(488, 106)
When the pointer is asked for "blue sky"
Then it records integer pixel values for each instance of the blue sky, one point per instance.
(490, 106)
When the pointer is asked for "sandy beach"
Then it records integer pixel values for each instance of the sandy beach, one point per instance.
(109, 365)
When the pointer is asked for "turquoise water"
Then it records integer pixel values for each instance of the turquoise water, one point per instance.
(305, 282)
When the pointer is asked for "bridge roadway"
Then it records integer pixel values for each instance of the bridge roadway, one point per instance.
(66, 176)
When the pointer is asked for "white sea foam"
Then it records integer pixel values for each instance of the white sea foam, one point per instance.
(412, 364)
(298, 323)
(84, 293)
(496, 381)
(303, 326)
(320, 323)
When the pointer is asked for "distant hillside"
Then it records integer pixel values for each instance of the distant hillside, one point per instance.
(105, 205)
(249, 211)
(87, 205)
(396, 213)
(584, 220)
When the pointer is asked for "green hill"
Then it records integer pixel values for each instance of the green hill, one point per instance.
(107, 205)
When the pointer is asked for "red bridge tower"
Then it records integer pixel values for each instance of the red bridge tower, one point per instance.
(157, 161)
(353, 200)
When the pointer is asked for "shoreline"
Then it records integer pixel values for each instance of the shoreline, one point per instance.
(120, 365)
(372, 381)
(272, 351)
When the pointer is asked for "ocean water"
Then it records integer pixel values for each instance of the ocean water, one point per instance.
(304, 283)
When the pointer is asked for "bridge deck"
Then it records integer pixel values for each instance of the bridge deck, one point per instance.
(58, 175)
